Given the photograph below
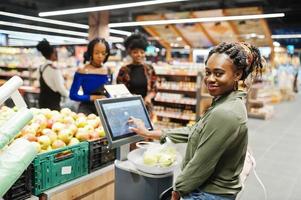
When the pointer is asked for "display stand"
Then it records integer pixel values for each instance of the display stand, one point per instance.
(94, 186)
(132, 184)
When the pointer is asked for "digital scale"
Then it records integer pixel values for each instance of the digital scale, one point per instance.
(130, 183)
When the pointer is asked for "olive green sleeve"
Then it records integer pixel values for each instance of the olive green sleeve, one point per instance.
(219, 131)
(178, 135)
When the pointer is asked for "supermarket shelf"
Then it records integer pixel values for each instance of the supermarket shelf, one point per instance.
(175, 115)
(176, 90)
(14, 74)
(185, 102)
(18, 67)
(260, 115)
(206, 95)
(177, 74)
(29, 89)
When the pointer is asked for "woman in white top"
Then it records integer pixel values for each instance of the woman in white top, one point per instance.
(51, 79)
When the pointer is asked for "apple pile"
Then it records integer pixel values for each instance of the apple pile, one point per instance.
(51, 129)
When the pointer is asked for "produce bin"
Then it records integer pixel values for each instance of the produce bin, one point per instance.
(100, 155)
(60, 166)
(22, 187)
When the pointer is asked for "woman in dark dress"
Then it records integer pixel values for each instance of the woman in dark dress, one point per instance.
(139, 77)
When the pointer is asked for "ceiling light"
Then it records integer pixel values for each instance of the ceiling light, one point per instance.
(276, 44)
(196, 20)
(46, 29)
(108, 7)
(39, 19)
(286, 36)
(120, 32)
(38, 37)
(58, 22)
(60, 39)
(187, 47)
(179, 39)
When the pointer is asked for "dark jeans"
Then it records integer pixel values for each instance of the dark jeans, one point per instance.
(199, 195)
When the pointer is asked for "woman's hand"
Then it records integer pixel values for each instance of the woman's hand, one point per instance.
(95, 97)
(141, 130)
(148, 100)
(175, 195)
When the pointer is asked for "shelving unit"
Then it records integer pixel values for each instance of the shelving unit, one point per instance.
(259, 102)
(179, 100)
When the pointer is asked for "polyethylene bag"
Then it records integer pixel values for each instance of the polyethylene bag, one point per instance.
(14, 160)
(11, 128)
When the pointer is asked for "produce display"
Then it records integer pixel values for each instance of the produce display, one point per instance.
(53, 129)
(163, 156)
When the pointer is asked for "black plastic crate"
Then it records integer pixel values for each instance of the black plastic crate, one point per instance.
(22, 187)
(100, 155)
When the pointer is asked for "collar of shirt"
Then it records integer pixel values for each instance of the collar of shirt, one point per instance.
(227, 97)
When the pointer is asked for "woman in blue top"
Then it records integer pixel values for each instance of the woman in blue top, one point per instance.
(92, 77)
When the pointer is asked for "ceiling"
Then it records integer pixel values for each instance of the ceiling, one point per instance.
(288, 25)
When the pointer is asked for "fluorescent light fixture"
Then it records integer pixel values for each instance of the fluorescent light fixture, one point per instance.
(39, 19)
(38, 37)
(46, 29)
(53, 38)
(108, 7)
(58, 22)
(286, 36)
(196, 20)
(276, 44)
(120, 32)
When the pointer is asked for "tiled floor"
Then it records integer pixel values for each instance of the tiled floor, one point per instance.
(276, 145)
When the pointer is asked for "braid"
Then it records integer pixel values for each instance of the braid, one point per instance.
(243, 55)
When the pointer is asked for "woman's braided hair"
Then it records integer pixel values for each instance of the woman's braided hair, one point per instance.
(243, 55)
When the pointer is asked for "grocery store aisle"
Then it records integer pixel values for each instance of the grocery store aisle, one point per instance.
(276, 145)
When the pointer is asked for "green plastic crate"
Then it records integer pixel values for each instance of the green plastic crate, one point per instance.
(59, 166)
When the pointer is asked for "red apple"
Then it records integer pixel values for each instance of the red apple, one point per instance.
(44, 141)
(73, 141)
(91, 116)
(94, 135)
(65, 135)
(57, 127)
(65, 111)
(30, 137)
(58, 144)
(82, 134)
(49, 123)
(37, 146)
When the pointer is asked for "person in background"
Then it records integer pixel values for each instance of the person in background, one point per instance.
(51, 79)
(217, 143)
(92, 77)
(139, 77)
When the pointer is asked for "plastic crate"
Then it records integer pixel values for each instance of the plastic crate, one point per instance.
(100, 155)
(59, 166)
(22, 187)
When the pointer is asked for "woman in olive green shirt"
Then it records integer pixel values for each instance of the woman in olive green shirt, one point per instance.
(217, 143)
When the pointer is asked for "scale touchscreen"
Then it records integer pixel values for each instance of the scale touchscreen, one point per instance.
(118, 114)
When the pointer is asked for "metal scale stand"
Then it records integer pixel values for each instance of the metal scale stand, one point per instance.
(131, 184)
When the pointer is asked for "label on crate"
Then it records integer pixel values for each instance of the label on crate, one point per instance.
(66, 170)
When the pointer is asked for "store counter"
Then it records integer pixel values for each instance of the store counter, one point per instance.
(94, 186)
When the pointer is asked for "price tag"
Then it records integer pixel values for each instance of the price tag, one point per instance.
(66, 170)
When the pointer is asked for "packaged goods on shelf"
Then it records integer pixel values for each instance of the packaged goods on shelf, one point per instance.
(260, 98)
(179, 92)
